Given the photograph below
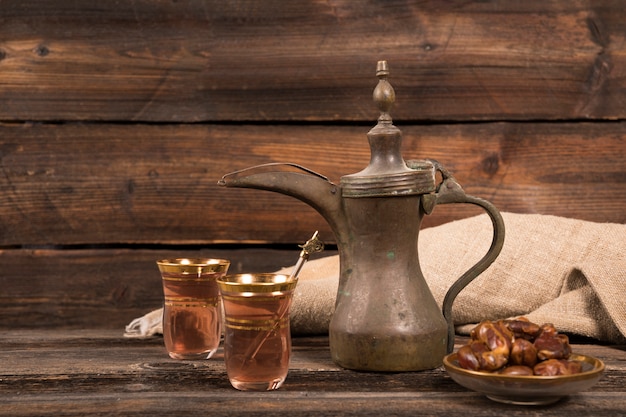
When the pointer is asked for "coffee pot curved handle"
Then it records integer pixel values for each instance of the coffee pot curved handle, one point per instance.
(449, 191)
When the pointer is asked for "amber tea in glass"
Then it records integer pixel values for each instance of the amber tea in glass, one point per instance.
(192, 322)
(257, 338)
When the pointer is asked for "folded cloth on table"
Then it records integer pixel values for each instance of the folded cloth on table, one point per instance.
(568, 272)
(146, 326)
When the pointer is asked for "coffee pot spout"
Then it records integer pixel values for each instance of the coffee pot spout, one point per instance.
(296, 181)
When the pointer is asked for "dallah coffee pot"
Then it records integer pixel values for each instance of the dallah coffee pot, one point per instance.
(385, 318)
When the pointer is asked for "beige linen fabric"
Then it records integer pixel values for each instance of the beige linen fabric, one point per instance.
(568, 272)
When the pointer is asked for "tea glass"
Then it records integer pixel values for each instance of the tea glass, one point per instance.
(192, 319)
(257, 338)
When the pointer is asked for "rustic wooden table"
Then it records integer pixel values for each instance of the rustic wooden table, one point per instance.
(98, 372)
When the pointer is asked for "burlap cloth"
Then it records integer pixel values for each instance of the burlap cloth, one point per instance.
(568, 272)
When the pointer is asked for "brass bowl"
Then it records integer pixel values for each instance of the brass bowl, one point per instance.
(526, 390)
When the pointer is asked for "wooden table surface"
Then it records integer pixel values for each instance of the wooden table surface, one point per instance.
(98, 372)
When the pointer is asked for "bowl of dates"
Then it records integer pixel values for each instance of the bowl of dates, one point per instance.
(519, 362)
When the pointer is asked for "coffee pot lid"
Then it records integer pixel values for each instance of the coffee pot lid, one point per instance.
(387, 173)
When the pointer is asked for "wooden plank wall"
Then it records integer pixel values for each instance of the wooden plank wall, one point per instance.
(117, 119)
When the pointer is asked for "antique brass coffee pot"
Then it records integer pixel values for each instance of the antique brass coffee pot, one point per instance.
(386, 318)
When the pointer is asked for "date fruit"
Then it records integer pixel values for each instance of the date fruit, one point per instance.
(518, 347)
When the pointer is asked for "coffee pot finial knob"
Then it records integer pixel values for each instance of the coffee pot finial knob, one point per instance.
(384, 95)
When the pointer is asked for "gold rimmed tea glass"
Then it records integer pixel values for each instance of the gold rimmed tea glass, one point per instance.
(192, 322)
(257, 338)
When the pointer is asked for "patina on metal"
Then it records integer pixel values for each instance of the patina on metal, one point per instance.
(386, 318)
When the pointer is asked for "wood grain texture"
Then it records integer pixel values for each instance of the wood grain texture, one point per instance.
(117, 119)
(103, 288)
(108, 183)
(89, 372)
(192, 61)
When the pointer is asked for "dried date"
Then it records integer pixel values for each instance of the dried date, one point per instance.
(552, 345)
(517, 370)
(523, 328)
(496, 336)
(523, 352)
(478, 357)
(518, 347)
(552, 367)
